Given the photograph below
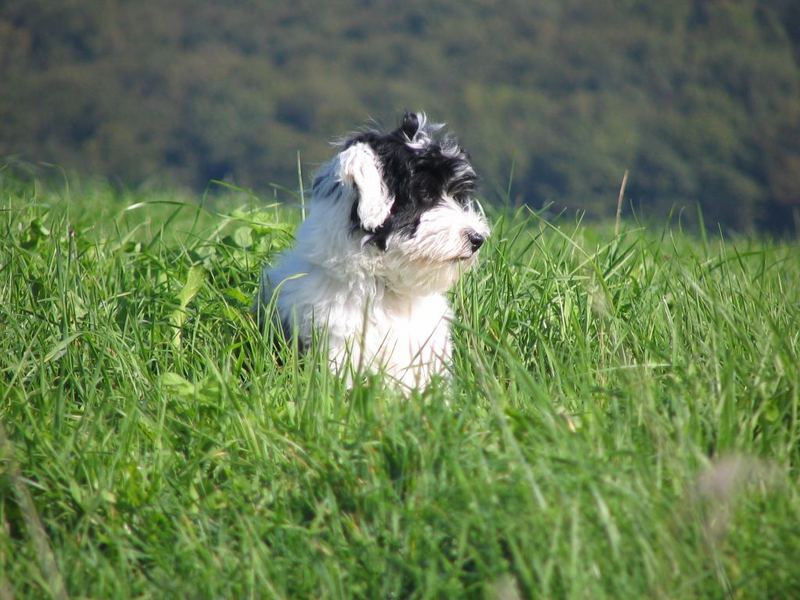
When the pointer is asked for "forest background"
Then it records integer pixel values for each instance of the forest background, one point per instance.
(554, 99)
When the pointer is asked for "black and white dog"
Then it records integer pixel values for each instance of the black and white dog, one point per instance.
(392, 223)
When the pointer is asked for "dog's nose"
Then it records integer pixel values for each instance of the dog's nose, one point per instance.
(475, 240)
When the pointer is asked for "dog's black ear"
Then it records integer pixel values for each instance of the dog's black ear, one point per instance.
(410, 125)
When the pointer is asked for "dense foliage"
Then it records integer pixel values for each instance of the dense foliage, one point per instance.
(700, 99)
(622, 420)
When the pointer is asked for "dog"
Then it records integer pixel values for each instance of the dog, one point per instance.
(392, 224)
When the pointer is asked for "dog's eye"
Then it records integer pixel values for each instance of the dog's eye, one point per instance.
(461, 190)
(461, 198)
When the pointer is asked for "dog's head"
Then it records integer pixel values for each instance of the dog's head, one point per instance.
(408, 196)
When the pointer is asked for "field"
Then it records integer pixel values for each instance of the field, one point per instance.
(621, 420)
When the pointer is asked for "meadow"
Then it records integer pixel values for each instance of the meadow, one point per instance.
(621, 420)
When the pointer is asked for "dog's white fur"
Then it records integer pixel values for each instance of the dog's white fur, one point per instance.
(381, 310)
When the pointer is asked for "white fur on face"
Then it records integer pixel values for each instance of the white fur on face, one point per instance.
(433, 258)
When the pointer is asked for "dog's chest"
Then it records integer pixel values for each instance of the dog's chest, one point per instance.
(411, 341)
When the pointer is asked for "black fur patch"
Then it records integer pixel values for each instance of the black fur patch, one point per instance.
(417, 173)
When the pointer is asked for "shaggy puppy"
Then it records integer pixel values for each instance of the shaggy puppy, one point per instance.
(392, 223)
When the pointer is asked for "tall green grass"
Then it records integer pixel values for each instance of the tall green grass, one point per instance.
(621, 420)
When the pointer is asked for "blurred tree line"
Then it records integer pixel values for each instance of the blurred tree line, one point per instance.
(700, 99)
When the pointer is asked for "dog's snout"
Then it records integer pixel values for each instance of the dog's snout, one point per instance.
(475, 239)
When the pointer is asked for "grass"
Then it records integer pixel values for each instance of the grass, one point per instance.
(621, 421)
